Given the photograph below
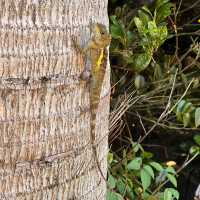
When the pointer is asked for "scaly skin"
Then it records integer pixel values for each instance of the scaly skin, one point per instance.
(96, 51)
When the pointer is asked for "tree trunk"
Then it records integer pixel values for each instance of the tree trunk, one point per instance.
(45, 151)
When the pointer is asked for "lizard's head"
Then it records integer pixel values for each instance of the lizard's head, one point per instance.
(101, 34)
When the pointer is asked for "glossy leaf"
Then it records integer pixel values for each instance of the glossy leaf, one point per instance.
(135, 164)
(145, 178)
(149, 170)
(170, 170)
(186, 119)
(194, 150)
(111, 182)
(172, 179)
(157, 166)
(113, 196)
(167, 195)
(170, 194)
(197, 117)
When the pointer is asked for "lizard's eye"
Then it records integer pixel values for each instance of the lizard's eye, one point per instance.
(102, 33)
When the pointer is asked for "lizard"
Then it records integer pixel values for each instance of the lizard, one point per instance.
(96, 50)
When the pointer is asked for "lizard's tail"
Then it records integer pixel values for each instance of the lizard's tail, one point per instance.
(93, 137)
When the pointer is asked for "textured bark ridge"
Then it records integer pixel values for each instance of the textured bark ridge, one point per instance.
(44, 108)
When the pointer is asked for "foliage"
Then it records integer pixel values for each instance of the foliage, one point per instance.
(150, 33)
(154, 58)
(137, 176)
(187, 113)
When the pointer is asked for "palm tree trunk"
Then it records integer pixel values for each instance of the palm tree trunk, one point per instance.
(44, 107)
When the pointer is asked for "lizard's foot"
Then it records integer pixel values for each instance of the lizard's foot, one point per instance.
(85, 75)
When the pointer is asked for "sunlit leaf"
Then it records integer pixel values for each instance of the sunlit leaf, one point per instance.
(194, 150)
(197, 117)
(135, 164)
(149, 170)
(145, 178)
(186, 119)
(111, 182)
(171, 194)
(172, 179)
(156, 165)
(174, 193)
(163, 10)
(153, 30)
(121, 186)
(113, 196)
(145, 15)
(167, 195)
(170, 169)
(141, 61)
(139, 25)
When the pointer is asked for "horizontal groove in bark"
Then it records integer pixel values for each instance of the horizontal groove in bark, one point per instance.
(69, 188)
(57, 161)
(40, 65)
(34, 179)
(46, 13)
(48, 149)
(42, 83)
(40, 103)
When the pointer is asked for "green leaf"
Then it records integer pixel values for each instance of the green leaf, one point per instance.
(163, 33)
(113, 196)
(110, 157)
(111, 182)
(197, 117)
(141, 61)
(179, 109)
(145, 178)
(117, 30)
(161, 3)
(136, 147)
(170, 170)
(130, 193)
(197, 139)
(167, 194)
(153, 30)
(172, 179)
(186, 119)
(187, 107)
(145, 15)
(121, 186)
(114, 20)
(194, 150)
(135, 164)
(139, 25)
(149, 170)
(146, 10)
(174, 193)
(157, 166)
(147, 155)
(163, 11)
(130, 37)
(180, 106)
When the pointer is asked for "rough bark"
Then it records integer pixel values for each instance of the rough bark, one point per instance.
(44, 108)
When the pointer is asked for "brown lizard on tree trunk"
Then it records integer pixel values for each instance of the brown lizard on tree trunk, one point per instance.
(96, 50)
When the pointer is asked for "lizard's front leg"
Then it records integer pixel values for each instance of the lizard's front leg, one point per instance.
(86, 74)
